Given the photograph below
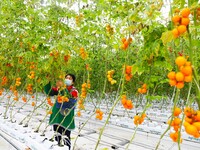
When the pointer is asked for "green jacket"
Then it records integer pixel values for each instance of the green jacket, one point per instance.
(56, 117)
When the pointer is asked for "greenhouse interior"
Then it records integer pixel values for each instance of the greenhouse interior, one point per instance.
(99, 75)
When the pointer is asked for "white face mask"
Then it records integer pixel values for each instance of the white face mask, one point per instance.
(68, 82)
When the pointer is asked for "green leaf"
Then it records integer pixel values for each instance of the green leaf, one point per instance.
(167, 37)
(157, 97)
(164, 81)
(134, 69)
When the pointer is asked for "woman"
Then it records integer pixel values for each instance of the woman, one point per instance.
(62, 120)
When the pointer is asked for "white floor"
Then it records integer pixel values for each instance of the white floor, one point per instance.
(115, 136)
(4, 145)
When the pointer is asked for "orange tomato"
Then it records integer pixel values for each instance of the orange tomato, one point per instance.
(180, 85)
(180, 61)
(185, 21)
(179, 76)
(171, 75)
(182, 29)
(185, 12)
(188, 78)
(177, 111)
(172, 82)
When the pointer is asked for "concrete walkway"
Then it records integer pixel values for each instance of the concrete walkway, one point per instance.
(4, 145)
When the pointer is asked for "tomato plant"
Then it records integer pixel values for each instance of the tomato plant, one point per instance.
(112, 46)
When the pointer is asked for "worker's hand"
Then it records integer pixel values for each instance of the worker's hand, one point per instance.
(59, 84)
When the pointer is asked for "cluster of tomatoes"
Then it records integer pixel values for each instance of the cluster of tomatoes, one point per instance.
(192, 122)
(24, 99)
(183, 75)
(83, 53)
(15, 93)
(126, 43)
(55, 54)
(181, 22)
(62, 99)
(176, 124)
(143, 89)
(126, 103)
(18, 82)
(49, 101)
(128, 73)
(139, 119)
(110, 77)
(32, 75)
(29, 88)
(99, 114)
(4, 80)
(85, 87)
